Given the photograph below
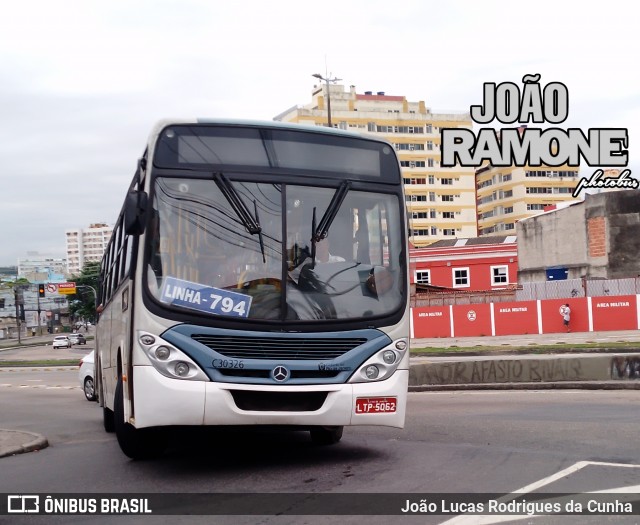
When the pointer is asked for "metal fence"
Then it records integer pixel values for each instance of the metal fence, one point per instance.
(532, 292)
(578, 288)
(461, 297)
(551, 290)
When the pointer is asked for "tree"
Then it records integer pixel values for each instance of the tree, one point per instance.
(82, 304)
(11, 284)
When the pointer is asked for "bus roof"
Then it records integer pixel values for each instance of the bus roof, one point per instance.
(160, 125)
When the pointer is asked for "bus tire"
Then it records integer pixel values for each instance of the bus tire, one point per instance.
(135, 443)
(326, 435)
(108, 420)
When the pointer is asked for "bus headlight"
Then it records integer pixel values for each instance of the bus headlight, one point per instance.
(389, 357)
(401, 344)
(181, 369)
(147, 339)
(382, 364)
(162, 353)
(372, 372)
(169, 360)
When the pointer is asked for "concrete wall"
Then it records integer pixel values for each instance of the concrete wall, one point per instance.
(558, 238)
(598, 238)
(562, 368)
(623, 234)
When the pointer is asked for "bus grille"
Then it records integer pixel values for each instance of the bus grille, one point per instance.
(266, 374)
(279, 401)
(278, 347)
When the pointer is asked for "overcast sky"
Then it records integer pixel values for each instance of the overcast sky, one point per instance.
(82, 82)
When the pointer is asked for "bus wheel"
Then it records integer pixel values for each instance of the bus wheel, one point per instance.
(135, 443)
(108, 420)
(326, 435)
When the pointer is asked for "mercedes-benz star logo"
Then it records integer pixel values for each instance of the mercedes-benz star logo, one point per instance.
(280, 373)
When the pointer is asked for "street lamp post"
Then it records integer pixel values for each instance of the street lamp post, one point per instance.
(38, 314)
(95, 294)
(327, 80)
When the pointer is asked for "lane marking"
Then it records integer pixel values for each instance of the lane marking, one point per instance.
(490, 519)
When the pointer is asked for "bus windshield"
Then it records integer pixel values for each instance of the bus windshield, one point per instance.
(202, 258)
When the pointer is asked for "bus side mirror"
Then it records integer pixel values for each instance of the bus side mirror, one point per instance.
(135, 211)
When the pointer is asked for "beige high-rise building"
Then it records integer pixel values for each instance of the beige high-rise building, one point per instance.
(86, 245)
(441, 202)
(508, 194)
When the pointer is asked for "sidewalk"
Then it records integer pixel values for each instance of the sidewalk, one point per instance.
(17, 442)
(506, 341)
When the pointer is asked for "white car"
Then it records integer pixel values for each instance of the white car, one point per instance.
(85, 375)
(61, 341)
(77, 339)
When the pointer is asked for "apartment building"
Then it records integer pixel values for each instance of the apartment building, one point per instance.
(37, 268)
(441, 202)
(509, 194)
(86, 245)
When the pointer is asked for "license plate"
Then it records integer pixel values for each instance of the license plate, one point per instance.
(375, 405)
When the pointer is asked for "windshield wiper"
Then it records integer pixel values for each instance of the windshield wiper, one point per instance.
(248, 221)
(321, 231)
(255, 211)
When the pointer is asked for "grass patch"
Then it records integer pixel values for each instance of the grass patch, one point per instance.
(42, 362)
(15, 344)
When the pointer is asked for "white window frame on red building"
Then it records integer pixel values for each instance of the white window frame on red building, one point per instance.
(453, 277)
(419, 277)
(493, 275)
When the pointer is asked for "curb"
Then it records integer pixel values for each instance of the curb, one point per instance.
(14, 442)
(26, 365)
(557, 385)
(519, 351)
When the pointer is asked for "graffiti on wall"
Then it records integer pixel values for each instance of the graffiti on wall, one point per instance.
(499, 371)
(625, 367)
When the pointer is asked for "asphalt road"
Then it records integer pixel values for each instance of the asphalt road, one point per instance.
(454, 442)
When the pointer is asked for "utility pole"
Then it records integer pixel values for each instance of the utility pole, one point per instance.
(18, 290)
(16, 300)
(39, 330)
(327, 80)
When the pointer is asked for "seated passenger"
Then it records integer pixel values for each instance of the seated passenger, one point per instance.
(323, 255)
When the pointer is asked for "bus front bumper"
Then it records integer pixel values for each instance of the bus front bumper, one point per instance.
(161, 401)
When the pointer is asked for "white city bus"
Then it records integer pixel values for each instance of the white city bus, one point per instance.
(257, 275)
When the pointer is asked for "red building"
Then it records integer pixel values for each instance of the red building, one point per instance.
(484, 263)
